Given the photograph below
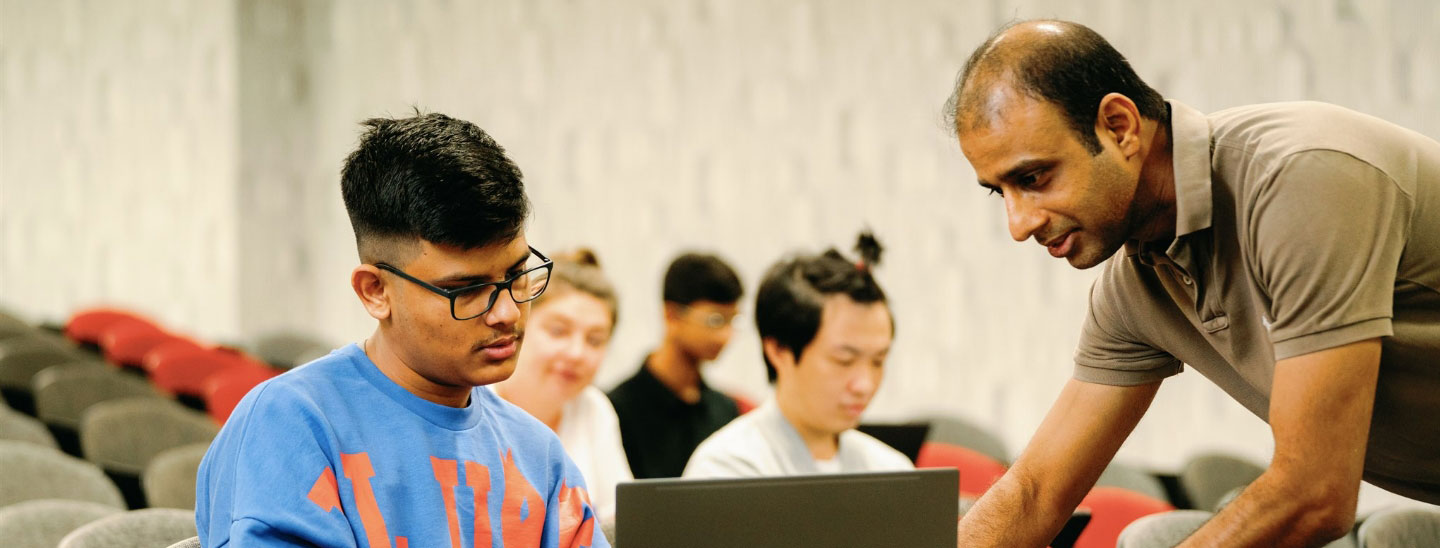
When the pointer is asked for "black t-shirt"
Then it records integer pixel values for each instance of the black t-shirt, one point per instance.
(660, 430)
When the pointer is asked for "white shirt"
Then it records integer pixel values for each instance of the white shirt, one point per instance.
(763, 443)
(590, 432)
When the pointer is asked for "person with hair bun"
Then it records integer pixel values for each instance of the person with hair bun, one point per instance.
(570, 329)
(825, 328)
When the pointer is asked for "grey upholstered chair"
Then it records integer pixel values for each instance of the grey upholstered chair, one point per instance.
(1207, 478)
(192, 542)
(31, 472)
(958, 431)
(288, 349)
(1401, 527)
(169, 479)
(124, 434)
(22, 357)
(1162, 530)
(1129, 477)
(42, 523)
(148, 528)
(64, 393)
(15, 426)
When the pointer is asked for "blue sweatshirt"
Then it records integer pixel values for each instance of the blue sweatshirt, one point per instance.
(333, 453)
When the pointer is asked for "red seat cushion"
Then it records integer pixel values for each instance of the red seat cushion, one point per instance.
(224, 390)
(182, 367)
(1111, 509)
(86, 326)
(126, 343)
(977, 470)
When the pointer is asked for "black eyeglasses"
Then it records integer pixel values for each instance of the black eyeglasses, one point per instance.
(475, 300)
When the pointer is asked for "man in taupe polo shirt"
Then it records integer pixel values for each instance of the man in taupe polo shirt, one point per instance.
(1288, 252)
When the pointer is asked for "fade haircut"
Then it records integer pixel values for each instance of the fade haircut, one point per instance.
(430, 177)
(791, 297)
(695, 277)
(1073, 68)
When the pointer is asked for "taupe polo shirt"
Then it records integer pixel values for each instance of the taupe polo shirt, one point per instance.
(1300, 227)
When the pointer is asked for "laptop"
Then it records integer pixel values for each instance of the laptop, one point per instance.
(906, 438)
(913, 508)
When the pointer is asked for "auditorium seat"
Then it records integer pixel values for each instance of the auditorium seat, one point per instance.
(86, 326)
(122, 436)
(1401, 527)
(22, 358)
(224, 390)
(44, 523)
(977, 470)
(1206, 478)
(1132, 478)
(15, 426)
(125, 345)
(31, 472)
(148, 528)
(1163, 530)
(192, 542)
(63, 394)
(181, 367)
(1111, 510)
(169, 479)
(287, 349)
(957, 431)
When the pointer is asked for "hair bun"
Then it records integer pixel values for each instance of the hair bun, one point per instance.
(869, 249)
(580, 255)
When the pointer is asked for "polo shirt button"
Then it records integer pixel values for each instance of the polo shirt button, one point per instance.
(1185, 279)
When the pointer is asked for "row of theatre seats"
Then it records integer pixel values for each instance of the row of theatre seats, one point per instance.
(113, 412)
(104, 423)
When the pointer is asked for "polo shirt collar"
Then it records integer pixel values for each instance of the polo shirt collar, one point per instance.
(1190, 149)
(1190, 157)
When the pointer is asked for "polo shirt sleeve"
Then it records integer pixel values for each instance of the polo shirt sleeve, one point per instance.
(1109, 352)
(1327, 233)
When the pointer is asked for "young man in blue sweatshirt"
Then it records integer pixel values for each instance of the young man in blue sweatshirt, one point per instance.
(390, 442)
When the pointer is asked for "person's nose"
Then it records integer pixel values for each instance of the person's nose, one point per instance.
(864, 382)
(505, 312)
(574, 348)
(1022, 216)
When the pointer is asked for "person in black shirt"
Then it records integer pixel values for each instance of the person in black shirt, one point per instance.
(666, 409)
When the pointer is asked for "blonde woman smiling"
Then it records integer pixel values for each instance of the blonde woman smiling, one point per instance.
(569, 331)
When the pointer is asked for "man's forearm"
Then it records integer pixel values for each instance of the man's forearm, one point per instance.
(1272, 513)
(1011, 514)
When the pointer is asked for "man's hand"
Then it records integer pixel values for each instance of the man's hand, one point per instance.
(1080, 434)
(1320, 408)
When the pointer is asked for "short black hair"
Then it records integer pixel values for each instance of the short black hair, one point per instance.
(695, 277)
(1074, 70)
(430, 177)
(792, 295)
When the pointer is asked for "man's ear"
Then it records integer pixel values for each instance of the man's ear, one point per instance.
(372, 290)
(673, 311)
(779, 356)
(1119, 121)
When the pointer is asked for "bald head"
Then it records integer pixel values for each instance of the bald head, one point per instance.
(1058, 62)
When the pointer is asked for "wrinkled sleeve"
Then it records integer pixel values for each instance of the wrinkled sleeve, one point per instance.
(579, 525)
(1108, 352)
(1327, 233)
(266, 481)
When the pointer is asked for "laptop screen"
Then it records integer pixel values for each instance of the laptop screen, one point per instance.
(917, 509)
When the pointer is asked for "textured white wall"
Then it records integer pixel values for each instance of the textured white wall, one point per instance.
(745, 127)
(117, 159)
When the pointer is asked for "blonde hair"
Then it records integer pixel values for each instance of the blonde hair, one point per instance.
(579, 270)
